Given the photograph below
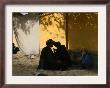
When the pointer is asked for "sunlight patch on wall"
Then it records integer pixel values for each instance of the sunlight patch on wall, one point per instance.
(52, 30)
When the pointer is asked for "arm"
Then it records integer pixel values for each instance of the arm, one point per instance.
(50, 57)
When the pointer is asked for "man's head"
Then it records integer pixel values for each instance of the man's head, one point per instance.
(84, 51)
(57, 44)
(49, 43)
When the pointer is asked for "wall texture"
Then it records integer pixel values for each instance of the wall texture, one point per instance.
(83, 33)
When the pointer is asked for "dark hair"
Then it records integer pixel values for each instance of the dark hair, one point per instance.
(57, 44)
(49, 42)
(84, 50)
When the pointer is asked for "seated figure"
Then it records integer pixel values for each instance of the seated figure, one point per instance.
(15, 49)
(47, 58)
(86, 59)
(62, 56)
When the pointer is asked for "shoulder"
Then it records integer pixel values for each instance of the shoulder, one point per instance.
(63, 46)
(46, 49)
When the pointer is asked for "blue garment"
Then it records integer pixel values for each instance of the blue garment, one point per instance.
(86, 60)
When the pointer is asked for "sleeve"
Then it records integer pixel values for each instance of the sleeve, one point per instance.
(41, 61)
(50, 57)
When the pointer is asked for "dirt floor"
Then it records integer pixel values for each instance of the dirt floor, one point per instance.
(24, 66)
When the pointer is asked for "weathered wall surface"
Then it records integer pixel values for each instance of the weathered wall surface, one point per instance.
(26, 32)
(83, 34)
(78, 39)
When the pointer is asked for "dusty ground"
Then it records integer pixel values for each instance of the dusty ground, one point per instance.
(24, 66)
